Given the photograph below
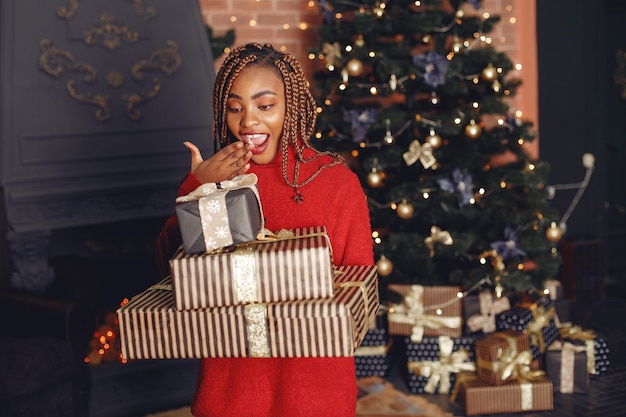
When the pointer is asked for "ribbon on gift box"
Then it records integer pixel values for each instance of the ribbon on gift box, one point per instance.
(211, 198)
(411, 311)
(489, 307)
(379, 350)
(511, 363)
(438, 372)
(257, 332)
(526, 389)
(586, 336)
(541, 319)
(243, 261)
(568, 353)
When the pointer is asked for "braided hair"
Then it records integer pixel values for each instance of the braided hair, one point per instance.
(300, 111)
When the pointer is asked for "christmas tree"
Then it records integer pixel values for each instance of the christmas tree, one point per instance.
(419, 104)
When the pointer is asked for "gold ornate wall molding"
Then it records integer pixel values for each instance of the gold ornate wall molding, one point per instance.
(112, 33)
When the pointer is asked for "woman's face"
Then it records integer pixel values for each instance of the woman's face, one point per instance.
(256, 111)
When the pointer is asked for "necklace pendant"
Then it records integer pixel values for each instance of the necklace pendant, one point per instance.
(298, 198)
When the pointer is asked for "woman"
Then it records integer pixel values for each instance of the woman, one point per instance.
(264, 119)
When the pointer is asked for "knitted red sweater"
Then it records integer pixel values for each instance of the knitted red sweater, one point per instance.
(288, 387)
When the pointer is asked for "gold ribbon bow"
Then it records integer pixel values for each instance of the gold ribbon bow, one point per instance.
(568, 352)
(438, 372)
(437, 236)
(423, 153)
(587, 336)
(541, 319)
(489, 307)
(511, 363)
(411, 311)
(332, 52)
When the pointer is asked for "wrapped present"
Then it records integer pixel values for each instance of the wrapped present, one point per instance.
(504, 356)
(151, 327)
(433, 364)
(426, 311)
(534, 319)
(479, 312)
(372, 357)
(566, 366)
(596, 346)
(293, 265)
(480, 398)
(221, 214)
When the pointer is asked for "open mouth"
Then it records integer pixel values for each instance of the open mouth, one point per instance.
(259, 142)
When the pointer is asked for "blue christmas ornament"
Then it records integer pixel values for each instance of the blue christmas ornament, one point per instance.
(434, 67)
(360, 121)
(461, 184)
(508, 248)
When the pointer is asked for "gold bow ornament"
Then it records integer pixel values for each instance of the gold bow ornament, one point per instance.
(438, 372)
(586, 336)
(489, 308)
(413, 312)
(423, 153)
(332, 53)
(437, 236)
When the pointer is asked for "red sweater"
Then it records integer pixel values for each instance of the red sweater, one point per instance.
(288, 387)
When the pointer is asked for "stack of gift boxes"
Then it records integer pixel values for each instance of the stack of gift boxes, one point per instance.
(492, 354)
(254, 294)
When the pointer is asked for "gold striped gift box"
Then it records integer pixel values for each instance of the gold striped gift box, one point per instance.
(151, 327)
(296, 267)
(481, 398)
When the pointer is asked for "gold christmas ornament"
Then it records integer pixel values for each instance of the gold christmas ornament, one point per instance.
(473, 130)
(554, 233)
(375, 179)
(354, 67)
(490, 73)
(434, 139)
(384, 266)
(405, 210)
(360, 42)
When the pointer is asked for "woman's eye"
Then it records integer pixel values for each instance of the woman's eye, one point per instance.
(234, 109)
(266, 106)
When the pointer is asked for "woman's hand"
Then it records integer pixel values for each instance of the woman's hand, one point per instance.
(225, 164)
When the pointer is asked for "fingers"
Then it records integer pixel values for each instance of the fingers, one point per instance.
(196, 155)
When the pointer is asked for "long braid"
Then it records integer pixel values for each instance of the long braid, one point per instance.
(300, 112)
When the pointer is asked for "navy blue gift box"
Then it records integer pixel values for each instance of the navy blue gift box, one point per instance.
(429, 351)
(371, 358)
(518, 318)
(601, 351)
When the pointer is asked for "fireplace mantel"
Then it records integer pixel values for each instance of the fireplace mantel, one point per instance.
(97, 98)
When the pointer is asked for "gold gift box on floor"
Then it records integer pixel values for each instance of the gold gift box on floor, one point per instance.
(479, 398)
(295, 265)
(151, 327)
